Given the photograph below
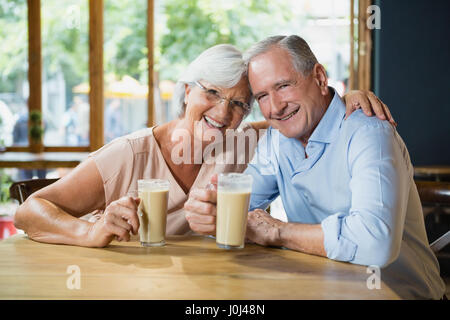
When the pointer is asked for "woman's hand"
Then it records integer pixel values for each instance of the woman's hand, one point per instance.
(201, 209)
(369, 103)
(118, 220)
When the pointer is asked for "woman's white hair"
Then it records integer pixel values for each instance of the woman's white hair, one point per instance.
(221, 65)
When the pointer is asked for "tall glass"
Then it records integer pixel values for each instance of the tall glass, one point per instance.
(233, 200)
(154, 195)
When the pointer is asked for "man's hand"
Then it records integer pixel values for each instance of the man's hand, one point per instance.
(369, 103)
(119, 219)
(201, 208)
(263, 229)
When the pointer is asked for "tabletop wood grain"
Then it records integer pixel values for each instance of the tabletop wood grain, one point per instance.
(188, 267)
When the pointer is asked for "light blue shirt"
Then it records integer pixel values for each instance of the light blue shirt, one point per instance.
(357, 182)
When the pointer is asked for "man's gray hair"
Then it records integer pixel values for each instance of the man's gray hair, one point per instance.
(221, 65)
(303, 58)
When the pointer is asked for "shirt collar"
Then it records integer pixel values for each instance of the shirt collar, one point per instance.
(328, 127)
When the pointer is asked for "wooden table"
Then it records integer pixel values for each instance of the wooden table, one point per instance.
(45, 160)
(188, 267)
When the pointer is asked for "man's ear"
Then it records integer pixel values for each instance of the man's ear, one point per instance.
(320, 77)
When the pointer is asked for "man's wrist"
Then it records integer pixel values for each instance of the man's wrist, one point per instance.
(281, 234)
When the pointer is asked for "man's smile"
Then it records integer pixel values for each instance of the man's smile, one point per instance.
(288, 116)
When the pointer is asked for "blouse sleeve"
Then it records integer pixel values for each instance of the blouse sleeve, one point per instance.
(115, 162)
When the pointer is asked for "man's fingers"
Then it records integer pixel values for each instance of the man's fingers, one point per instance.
(204, 228)
(200, 207)
(206, 195)
(194, 218)
(137, 201)
(214, 179)
(129, 202)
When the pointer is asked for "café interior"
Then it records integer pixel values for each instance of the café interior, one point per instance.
(78, 74)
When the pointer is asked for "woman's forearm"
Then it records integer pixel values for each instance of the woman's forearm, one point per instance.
(43, 221)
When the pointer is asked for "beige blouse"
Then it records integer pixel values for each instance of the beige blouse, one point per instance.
(127, 159)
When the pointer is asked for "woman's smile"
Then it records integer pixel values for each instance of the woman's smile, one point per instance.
(213, 123)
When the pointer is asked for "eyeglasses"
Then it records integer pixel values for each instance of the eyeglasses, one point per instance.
(214, 97)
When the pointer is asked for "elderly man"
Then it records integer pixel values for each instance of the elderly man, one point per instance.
(346, 183)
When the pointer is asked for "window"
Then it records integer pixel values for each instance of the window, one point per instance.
(14, 87)
(126, 67)
(65, 48)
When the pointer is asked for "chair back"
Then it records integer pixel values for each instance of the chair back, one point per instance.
(21, 190)
(436, 194)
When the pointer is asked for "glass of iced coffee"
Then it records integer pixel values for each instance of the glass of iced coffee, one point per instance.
(233, 199)
(154, 195)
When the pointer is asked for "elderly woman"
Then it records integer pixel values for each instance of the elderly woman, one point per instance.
(214, 96)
